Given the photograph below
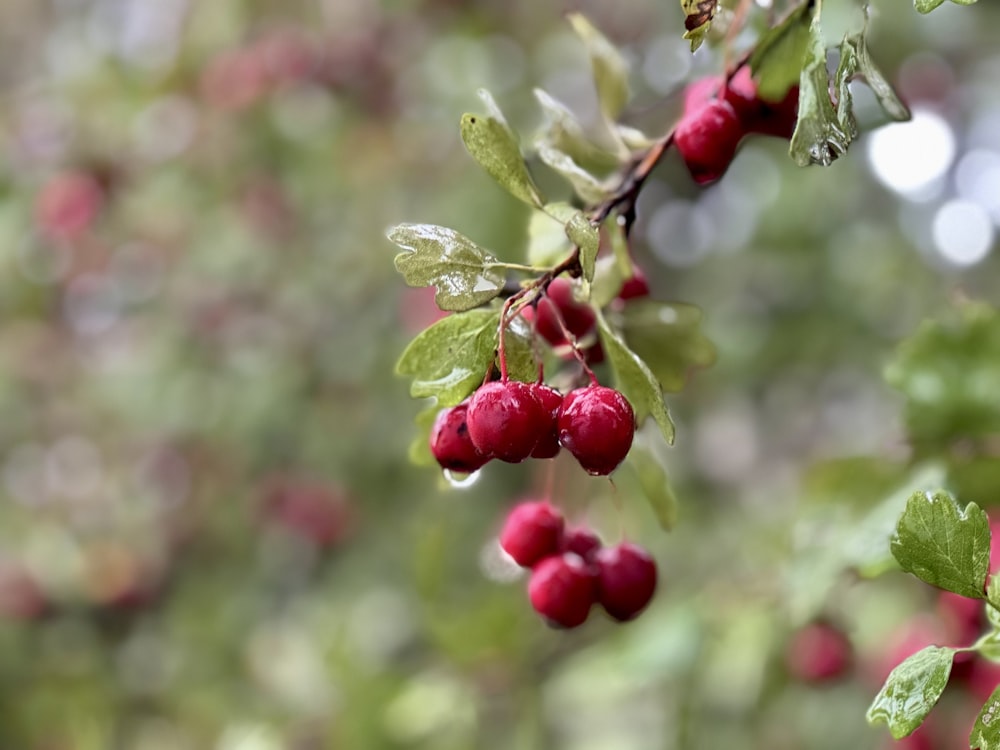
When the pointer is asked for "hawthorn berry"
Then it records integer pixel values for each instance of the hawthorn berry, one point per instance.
(451, 444)
(532, 532)
(505, 420)
(562, 590)
(707, 139)
(596, 424)
(550, 400)
(626, 580)
(558, 302)
(581, 541)
(635, 286)
(819, 652)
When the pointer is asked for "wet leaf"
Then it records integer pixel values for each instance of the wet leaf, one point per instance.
(823, 132)
(562, 131)
(777, 59)
(698, 15)
(547, 240)
(668, 338)
(440, 257)
(591, 189)
(449, 359)
(944, 545)
(609, 68)
(926, 6)
(635, 380)
(492, 143)
(856, 46)
(646, 462)
(986, 731)
(584, 235)
(911, 690)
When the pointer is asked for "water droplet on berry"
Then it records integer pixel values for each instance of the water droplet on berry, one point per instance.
(459, 479)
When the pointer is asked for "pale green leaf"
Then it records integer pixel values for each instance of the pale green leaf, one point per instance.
(857, 44)
(926, 6)
(646, 462)
(462, 272)
(609, 67)
(608, 280)
(635, 380)
(777, 59)
(986, 731)
(547, 240)
(944, 545)
(420, 448)
(584, 235)
(586, 185)
(562, 131)
(668, 338)
(911, 690)
(493, 144)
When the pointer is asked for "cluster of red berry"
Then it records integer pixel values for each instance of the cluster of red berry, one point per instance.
(571, 570)
(718, 113)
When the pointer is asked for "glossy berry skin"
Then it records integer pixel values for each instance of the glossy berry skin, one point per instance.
(626, 580)
(635, 286)
(532, 532)
(550, 400)
(819, 652)
(707, 139)
(581, 541)
(578, 317)
(562, 590)
(757, 115)
(596, 424)
(505, 420)
(451, 444)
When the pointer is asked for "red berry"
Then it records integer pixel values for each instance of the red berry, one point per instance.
(550, 400)
(68, 205)
(505, 420)
(451, 444)
(596, 424)
(562, 590)
(532, 532)
(578, 317)
(707, 140)
(777, 118)
(819, 652)
(582, 542)
(626, 577)
(635, 286)
(740, 93)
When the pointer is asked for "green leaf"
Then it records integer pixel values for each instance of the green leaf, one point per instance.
(667, 337)
(856, 46)
(562, 131)
(608, 280)
(911, 690)
(450, 359)
(420, 448)
(584, 235)
(647, 464)
(547, 240)
(948, 371)
(986, 731)
(698, 15)
(943, 545)
(926, 6)
(492, 143)
(586, 185)
(454, 264)
(777, 59)
(993, 596)
(823, 132)
(609, 67)
(635, 380)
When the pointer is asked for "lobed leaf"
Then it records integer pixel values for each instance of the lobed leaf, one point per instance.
(986, 730)
(635, 380)
(943, 545)
(492, 143)
(911, 690)
(778, 58)
(609, 68)
(441, 257)
(667, 336)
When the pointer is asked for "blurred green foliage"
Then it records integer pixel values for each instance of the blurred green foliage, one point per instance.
(211, 535)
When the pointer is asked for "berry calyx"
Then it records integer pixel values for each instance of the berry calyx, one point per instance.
(626, 580)
(505, 420)
(562, 590)
(581, 541)
(532, 532)
(558, 302)
(451, 444)
(596, 424)
(819, 652)
(707, 139)
(550, 400)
